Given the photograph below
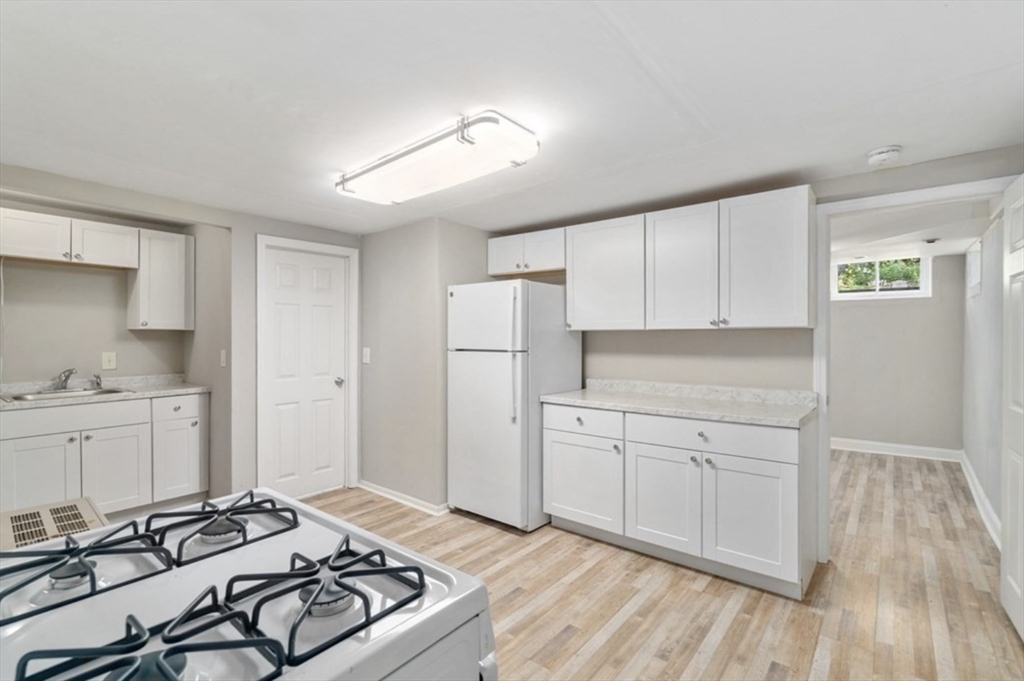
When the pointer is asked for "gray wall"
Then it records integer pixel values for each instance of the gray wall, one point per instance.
(405, 273)
(204, 345)
(58, 316)
(983, 379)
(755, 358)
(897, 365)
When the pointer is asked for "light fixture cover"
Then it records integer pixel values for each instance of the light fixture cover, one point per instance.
(475, 146)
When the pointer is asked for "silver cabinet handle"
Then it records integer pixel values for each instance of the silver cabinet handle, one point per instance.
(339, 381)
(87, 438)
(143, 323)
(66, 255)
(617, 449)
(195, 423)
(177, 407)
(714, 322)
(78, 256)
(693, 458)
(723, 321)
(579, 420)
(73, 438)
(700, 434)
(709, 462)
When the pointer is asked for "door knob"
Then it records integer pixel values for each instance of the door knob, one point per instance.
(518, 266)
(526, 265)
(144, 324)
(339, 381)
(177, 407)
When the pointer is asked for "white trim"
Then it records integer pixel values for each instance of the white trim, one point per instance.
(411, 502)
(263, 242)
(893, 449)
(985, 508)
(825, 211)
(988, 513)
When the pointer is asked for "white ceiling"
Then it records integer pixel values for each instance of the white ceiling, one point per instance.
(901, 232)
(258, 106)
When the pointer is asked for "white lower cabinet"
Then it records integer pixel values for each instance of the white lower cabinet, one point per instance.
(180, 457)
(583, 479)
(663, 496)
(750, 515)
(39, 470)
(117, 469)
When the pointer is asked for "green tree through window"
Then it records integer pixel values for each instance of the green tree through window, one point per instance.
(879, 276)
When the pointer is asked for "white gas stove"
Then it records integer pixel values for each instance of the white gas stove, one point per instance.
(256, 586)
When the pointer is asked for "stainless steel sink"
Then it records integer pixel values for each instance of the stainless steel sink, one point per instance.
(66, 394)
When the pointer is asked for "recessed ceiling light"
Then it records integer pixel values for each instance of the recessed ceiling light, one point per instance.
(884, 156)
(475, 146)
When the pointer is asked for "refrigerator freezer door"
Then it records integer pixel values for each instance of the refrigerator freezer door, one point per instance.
(490, 316)
(487, 435)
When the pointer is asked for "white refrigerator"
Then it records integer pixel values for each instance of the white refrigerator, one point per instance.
(507, 346)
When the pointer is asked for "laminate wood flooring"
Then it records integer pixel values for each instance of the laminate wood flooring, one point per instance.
(912, 591)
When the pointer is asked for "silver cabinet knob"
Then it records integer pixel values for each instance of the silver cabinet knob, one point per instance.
(617, 449)
(195, 423)
(66, 255)
(87, 438)
(723, 321)
(339, 381)
(143, 323)
(177, 407)
(579, 420)
(709, 462)
(700, 434)
(693, 458)
(568, 326)
(519, 266)
(78, 256)
(73, 438)
(714, 322)
(526, 265)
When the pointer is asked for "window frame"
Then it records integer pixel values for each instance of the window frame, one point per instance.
(925, 291)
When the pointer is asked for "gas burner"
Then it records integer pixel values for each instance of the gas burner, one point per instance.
(36, 580)
(210, 529)
(223, 530)
(331, 600)
(72, 574)
(149, 667)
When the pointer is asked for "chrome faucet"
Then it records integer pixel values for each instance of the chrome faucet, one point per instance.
(63, 378)
(98, 380)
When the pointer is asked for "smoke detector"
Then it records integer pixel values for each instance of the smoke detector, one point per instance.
(884, 156)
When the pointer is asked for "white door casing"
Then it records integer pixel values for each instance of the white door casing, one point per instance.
(306, 349)
(1011, 566)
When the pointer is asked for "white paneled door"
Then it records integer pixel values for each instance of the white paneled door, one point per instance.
(1012, 559)
(302, 370)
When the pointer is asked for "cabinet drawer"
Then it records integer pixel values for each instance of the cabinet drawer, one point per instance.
(180, 407)
(756, 442)
(598, 422)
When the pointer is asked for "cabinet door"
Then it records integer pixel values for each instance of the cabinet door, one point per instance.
(765, 259)
(583, 479)
(544, 250)
(39, 470)
(161, 294)
(663, 496)
(179, 458)
(97, 243)
(750, 515)
(505, 255)
(34, 235)
(604, 264)
(117, 467)
(682, 268)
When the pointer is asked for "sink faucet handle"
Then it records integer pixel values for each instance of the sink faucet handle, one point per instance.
(63, 378)
(99, 380)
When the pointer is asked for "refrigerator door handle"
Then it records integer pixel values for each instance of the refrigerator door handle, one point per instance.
(512, 323)
(512, 364)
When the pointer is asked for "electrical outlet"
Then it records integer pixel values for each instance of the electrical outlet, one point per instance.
(366, 355)
(223, 358)
(109, 360)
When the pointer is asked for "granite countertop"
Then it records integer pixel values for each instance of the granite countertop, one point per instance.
(141, 387)
(780, 408)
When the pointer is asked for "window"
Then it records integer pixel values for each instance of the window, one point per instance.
(881, 279)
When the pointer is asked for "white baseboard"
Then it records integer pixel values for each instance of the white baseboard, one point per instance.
(985, 508)
(412, 502)
(893, 449)
(988, 513)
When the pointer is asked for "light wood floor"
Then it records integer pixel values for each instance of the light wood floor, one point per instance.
(911, 592)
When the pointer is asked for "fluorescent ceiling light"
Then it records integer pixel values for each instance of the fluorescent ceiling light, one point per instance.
(475, 146)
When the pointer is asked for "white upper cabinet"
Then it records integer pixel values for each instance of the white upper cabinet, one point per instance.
(605, 274)
(682, 268)
(161, 293)
(97, 243)
(522, 253)
(34, 235)
(765, 248)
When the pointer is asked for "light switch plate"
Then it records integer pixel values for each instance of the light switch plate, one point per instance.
(223, 358)
(109, 360)
(366, 355)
